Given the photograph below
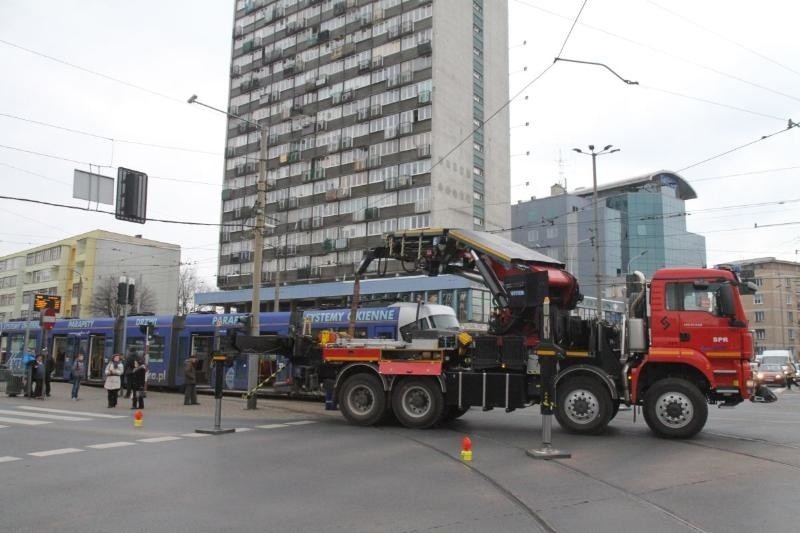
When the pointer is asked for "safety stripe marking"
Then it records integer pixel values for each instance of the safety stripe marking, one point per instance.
(111, 445)
(63, 411)
(8, 459)
(301, 422)
(242, 430)
(23, 421)
(40, 415)
(272, 426)
(1, 427)
(191, 435)
(60, 451)
(159, 439)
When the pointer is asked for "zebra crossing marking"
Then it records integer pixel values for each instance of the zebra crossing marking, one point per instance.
(44, 416)
(23, 421)
(60, 451)
(66, 412)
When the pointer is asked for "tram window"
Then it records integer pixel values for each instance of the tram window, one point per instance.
(155, 350)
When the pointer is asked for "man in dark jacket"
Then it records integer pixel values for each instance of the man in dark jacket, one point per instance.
(49, 366)
(190, 380)
(129, 364)
(137, 380)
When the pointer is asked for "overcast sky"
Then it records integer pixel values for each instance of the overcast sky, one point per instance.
(742, 61)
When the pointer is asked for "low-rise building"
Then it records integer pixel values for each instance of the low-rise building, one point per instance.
(76, 268)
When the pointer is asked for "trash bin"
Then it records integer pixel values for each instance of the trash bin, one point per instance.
(14, 385)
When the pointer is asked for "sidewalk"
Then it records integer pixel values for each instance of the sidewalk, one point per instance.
(93, 398)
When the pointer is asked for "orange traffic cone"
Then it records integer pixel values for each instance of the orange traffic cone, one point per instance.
(137, 419)
(466, 449)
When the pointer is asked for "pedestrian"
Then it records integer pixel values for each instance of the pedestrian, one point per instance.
(75, 375)
(130, 359)
(138, 377)
(190, 380)
(112, 384)
(38, 376)
(28, 361)
(49, 367)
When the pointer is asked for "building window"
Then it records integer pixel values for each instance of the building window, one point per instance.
(761, 334)
(791, 334)
(759, 316)
(533, 235)
(552, 233)
(758, 299)
(790, 316)
(758, 282)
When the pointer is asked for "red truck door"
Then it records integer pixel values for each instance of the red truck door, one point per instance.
(702, 326)
(665, 303)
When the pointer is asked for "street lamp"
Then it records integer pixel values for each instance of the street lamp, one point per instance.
(628, 268)
(597, 269)
(258, 237)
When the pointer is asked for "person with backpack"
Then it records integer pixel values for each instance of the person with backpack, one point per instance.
(138, 378)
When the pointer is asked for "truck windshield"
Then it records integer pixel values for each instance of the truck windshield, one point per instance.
(444, 322)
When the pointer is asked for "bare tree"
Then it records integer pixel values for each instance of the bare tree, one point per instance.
(104, 302)
(188, 285)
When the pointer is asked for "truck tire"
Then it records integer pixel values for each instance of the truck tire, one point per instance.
(675, 408)
(583, 406)
(417, 402)
(452, 412)
(362, 400)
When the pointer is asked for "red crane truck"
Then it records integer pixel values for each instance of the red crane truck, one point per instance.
(682, 345)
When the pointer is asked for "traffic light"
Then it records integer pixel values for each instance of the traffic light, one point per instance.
(131, 195)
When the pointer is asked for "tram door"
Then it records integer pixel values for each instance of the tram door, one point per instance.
(95, 346)
(60, 351)
(202, 345)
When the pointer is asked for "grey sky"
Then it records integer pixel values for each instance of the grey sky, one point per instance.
(179, 48)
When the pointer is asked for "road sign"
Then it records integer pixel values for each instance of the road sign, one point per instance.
(46, 301)
(48, 318)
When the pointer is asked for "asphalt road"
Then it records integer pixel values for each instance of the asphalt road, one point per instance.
(291, 466)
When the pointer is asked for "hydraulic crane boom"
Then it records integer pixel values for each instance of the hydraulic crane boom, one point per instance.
(519, 278)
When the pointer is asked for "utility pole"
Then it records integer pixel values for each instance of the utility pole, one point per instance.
(597, 255)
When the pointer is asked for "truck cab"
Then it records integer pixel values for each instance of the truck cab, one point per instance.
(699, 344)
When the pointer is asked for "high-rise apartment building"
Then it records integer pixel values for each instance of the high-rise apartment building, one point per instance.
(373, 113)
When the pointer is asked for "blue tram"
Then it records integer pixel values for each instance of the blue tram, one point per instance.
(173, 337)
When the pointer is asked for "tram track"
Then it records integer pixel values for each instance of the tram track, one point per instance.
(540, 520)
(670, 514)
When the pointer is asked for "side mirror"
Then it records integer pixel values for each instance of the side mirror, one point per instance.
(727, 302)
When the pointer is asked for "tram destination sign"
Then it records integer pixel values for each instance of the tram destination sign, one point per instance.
(47, 301)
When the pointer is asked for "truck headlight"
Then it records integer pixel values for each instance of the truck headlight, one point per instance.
(760, 375)
(750, 383)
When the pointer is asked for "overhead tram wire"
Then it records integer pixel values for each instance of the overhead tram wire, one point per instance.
(762, 138)
(664, 52)
(92, 72)
(148, 219)
(724, 38)
(87, 163)
(111, 139)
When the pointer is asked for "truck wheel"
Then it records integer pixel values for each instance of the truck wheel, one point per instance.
(362, 399)
(675, 408)
(453, 412)
(417, 403)
(583, 406)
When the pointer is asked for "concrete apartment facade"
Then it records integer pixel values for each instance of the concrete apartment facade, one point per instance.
(774, 311)
(642, 226)
(374, 114)
(74, 268)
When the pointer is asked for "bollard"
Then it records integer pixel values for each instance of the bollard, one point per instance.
(466, 449)
(137, 419)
